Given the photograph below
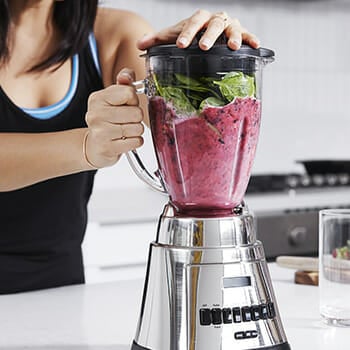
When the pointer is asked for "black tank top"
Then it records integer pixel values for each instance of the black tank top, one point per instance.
(42, 226)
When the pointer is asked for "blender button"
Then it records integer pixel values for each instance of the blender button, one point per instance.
(205, 317)
(246, 314)
(236, 314)
(263, 311)
(216, 316)
(239, 335)
(271, 310)
(255, 311)
(227, 315)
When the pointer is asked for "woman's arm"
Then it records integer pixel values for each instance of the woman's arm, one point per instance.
(113, 114)
(29, 158)
(114, 118)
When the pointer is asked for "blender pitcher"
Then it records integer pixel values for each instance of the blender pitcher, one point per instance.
(204, 110)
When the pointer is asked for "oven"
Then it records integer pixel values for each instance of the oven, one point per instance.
(286, 206)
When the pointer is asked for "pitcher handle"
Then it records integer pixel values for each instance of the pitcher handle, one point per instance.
(153, 180)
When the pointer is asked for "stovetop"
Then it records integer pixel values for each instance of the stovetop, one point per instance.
(323, 184)
(296, 181)
(317, 174)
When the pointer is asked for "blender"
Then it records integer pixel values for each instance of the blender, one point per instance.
(207, 284)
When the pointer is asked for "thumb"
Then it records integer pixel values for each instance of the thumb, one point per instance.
(126, 76)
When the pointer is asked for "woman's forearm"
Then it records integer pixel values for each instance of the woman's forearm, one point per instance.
(28, 158)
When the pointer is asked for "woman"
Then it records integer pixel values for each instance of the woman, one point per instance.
(67, 109)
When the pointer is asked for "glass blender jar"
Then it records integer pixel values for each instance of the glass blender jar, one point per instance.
(204, 110)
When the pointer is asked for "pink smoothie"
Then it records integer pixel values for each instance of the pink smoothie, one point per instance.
(205, 160)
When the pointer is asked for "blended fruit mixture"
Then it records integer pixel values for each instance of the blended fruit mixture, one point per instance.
(205, 157)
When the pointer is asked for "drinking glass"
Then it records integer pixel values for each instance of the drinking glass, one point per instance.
(334, 266)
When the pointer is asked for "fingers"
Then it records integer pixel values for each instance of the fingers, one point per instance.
(107, 141)
(191, 27)
(215, 24)
(112, 115)
(233, 33)
(250, 39)
(181, 33)
(109, 130)
(165, 36)
(114, 121)
(215, 27)
(114, 95)
(125, 145)
(123, 131)
(99, 154)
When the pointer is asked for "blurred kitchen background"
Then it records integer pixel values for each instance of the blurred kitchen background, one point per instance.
(305, 117)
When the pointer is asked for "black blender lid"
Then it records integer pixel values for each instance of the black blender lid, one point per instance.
(220, 49)
(220, 58)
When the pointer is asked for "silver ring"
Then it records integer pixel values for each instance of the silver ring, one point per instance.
(223, 16)
(123, 137)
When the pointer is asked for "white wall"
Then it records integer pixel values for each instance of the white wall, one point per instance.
(306, 91)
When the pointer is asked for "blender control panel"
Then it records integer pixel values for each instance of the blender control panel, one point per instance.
(226, 315)
(231, 306)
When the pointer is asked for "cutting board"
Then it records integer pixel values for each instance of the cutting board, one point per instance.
(306, 277)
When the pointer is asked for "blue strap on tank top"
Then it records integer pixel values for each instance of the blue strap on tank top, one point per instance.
(94, 52)
(56, 108)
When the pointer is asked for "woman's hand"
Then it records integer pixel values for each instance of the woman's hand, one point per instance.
(114, 121)
(214, 24)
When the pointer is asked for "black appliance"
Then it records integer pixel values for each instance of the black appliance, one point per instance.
(286, 205)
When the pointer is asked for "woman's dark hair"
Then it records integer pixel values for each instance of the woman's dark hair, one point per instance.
(73, 18)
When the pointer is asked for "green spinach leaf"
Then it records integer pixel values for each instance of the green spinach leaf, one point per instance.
(190, 95)
(211, 101)
(236, 84)
(178, 98)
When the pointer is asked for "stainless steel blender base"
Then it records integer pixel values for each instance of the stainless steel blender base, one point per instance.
(208, 288)
(284, 346)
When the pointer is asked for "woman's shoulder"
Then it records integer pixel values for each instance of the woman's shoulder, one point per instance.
(116, 33)
(116, 25)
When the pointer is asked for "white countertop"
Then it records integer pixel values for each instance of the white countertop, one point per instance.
(104, 317)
